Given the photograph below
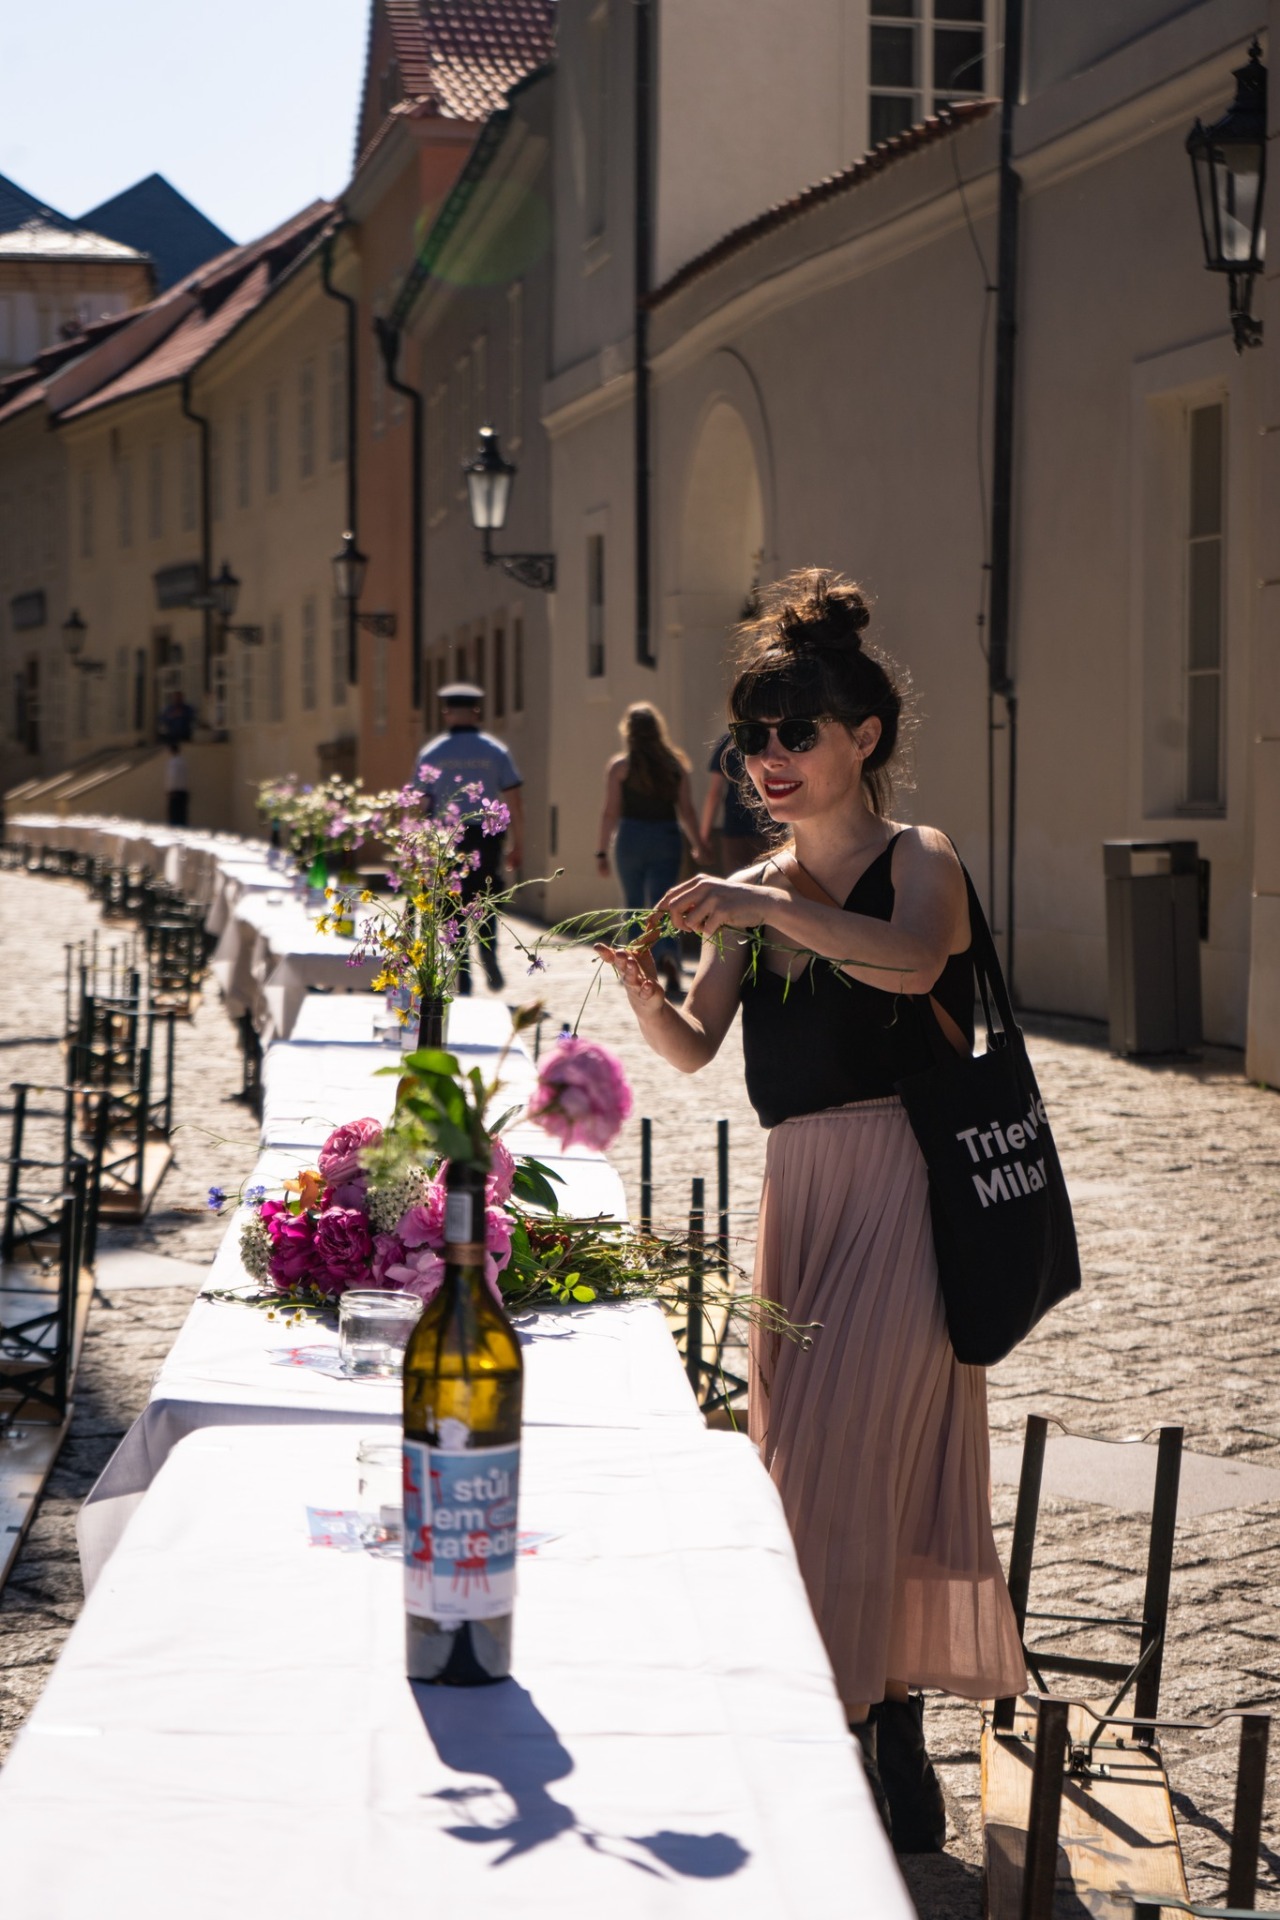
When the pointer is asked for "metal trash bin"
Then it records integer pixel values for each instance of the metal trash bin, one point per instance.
(1153, 944)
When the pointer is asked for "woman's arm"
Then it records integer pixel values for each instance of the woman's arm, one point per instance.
(688, 1036)
(687, 817)
(610, 813)
(902, 955)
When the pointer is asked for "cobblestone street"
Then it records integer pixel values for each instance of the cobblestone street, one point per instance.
(1173, 1170)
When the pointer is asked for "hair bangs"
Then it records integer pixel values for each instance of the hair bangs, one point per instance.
(780, 690)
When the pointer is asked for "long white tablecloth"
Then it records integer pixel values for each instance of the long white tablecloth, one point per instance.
(270, 954)
(228, 1730)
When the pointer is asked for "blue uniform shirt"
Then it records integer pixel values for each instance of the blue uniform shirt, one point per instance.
(463, 757)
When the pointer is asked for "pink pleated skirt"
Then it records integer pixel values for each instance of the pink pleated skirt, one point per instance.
(876, 1437)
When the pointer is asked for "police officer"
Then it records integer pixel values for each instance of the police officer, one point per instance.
(462, 755)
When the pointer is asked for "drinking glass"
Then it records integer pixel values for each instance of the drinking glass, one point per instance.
(374, 1324)
(379, 1467)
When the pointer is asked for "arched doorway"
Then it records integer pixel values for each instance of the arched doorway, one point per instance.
(722, 544)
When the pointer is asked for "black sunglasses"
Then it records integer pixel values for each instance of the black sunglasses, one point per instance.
(796, 736)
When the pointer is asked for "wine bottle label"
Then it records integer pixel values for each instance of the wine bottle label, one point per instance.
(460, 1531)
(457, 1218)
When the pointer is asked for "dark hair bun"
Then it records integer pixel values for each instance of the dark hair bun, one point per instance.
(827, 612)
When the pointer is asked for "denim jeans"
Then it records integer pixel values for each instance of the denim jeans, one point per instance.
(647, 854)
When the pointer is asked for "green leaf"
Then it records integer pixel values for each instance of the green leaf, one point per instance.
(432, 1060)
(584, 1293)
(532, 1185)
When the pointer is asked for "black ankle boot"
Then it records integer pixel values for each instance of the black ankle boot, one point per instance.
(865, 1733)
(916, 1806)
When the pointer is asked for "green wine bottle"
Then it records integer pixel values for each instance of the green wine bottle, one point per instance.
(463, 1384)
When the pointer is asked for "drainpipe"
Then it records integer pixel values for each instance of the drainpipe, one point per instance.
(389, 339)
(345, 299)
(643, 224)
(1000, 682)
(200, 420)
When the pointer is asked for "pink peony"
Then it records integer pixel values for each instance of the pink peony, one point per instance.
(582, 1096)
(387, 1251)
(424, 1226)
(351, 1193)
(497, 1233)
(344, 1249)
(293, 1247)
(339, 1159)
(502, 1173)
(421, 1272)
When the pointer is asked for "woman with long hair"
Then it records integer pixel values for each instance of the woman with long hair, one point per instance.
(647, 801)
(877, 1437)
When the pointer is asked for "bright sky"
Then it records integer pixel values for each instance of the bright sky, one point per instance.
(247, 106)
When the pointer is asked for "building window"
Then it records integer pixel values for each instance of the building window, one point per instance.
(338, 400)
(275, 670)
(306, 420)
(380, 682)
(244, 453)
(595, 124)
(339, 623)
(438, 455)
(120, 692)
(479, 384)
(479, 660)
(190, 483)
(86, 515)
(215, 473)
(124, 503)
(925, 54)
(309, 673)
(155, 492)
(499, 673)
(517, 664)
(140, 690)
(271, 430)
(463, 441)
(515, 364)
(248, 676)
(595, 606)
(1204, 584)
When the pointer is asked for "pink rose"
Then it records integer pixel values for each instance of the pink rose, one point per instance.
(582, 1096)
(497, 1233)
(344, 1249)
(424, 1226)
(339, 1158)
(421, 1272)
(502, 1173)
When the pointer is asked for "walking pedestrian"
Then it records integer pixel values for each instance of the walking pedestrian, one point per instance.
(876, 1438)
(177, 718)
(743, 839)
(177, 783)
(647, 801)
(460, 756)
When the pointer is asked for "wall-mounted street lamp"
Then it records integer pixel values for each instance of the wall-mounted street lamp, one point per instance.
(489, 480)
(224, 592)
(1229, 166)
(349, 569)
(74, 630)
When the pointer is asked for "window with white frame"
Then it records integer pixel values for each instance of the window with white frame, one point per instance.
(248, 684)
(338, 400)
(244, 456)
(1203, 771)
(155, 492)
(339, 632)
(595, 123)
(271, 440)
(924, 54)
(275, 669)
(381, 680)
(595, 606)
(309, 676)
(120, 692)
(306, 420)
(515, 364)
(189, 489)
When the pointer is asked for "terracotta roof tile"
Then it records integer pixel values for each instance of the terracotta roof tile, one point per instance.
(462, 56)
(963, 113)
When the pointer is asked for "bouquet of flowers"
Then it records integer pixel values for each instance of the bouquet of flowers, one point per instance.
(422, 930)
(323, 821)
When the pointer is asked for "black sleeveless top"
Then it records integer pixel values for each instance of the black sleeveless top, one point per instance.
(832, 1039)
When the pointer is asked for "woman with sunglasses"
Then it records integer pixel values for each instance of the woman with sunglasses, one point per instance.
(877, 1437)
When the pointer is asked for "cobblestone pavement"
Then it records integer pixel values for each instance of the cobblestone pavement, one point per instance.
(1173, 1169)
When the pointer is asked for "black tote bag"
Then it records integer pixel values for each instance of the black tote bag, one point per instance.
(1002, 1226)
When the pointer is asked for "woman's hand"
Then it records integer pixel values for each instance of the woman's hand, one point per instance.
(602, 865)
(635, 969)
(705, 904)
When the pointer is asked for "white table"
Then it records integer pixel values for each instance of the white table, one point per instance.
(228, 1729)
(270, 954)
